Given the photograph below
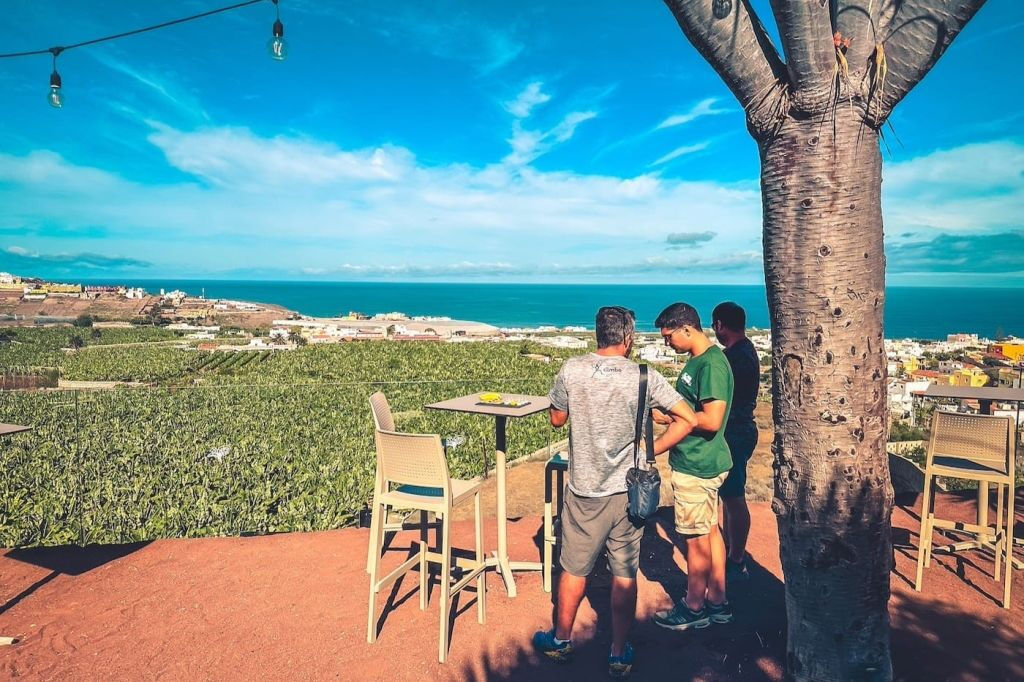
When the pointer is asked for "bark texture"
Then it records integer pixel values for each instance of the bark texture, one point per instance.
(817, 121)
(825, 276)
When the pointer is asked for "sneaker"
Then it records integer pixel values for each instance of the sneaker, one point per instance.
(682, 618)
(545, 642)
(719, 613)
(621, 666)
(736, 572)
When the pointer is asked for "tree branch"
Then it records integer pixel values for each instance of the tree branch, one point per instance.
(806, 30)
(730, 37)
(861, 21)
(914, 40)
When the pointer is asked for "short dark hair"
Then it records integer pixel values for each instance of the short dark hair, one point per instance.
(613, 324)
(678, 315)
(731, 315)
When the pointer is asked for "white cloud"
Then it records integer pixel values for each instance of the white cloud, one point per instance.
(298, 203)
(527, 145)
(705, 107)
(530, 97)
(681, 151)
(972, 188)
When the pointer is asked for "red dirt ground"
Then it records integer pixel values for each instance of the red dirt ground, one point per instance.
(294, 607)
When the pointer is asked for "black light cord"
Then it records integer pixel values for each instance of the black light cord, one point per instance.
(55, 51)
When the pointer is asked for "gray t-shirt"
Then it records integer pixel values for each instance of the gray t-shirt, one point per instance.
(600, 394)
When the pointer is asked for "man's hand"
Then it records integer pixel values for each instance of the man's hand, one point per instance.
(558, 418)
(660, 417)
(681, 421)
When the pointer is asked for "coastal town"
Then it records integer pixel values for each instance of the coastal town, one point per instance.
(961, 360)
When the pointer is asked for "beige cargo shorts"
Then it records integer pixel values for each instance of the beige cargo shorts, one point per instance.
(696, 502)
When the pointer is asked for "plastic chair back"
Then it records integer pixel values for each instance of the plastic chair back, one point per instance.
(973, 442)
(412, 459)
(382, 417)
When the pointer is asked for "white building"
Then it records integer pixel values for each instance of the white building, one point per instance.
(185, 327)
(135, 293)
(901, 396)
(657, 353)
(560, 341)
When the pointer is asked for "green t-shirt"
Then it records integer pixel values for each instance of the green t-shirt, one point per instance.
(704, 378)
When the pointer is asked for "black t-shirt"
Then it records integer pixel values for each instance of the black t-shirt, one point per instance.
(746, 372)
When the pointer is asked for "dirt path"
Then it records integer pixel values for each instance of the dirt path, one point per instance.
(293, 606)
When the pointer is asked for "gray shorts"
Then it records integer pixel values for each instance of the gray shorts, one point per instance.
(591, 525)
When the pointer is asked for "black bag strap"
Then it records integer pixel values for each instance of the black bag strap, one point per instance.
(649, 439)
(641, 412)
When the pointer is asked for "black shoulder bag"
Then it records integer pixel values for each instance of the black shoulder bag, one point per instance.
(643, 486)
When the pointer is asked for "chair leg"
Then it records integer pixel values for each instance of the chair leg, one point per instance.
(446, 586)
(423, 575)
(1008, 544)
(548, 532)
(481, 580)
(376, 540)
(375, 521)
(924, 539)
(1000, 535)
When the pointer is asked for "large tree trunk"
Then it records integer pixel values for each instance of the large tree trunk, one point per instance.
(824, 266)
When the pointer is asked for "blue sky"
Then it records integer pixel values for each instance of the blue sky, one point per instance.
(530, 141)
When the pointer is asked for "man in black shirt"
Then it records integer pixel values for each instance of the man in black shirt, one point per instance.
(729, 322)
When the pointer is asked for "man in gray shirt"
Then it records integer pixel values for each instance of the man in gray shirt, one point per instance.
(599, 392)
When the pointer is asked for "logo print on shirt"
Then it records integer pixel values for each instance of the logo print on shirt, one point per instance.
(687, 379)
(601, 369)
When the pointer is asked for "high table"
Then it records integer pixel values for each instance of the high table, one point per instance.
(528, 405)
(10, 430)
(985, 395)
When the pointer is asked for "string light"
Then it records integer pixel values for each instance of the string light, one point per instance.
(55, 97)
(277, 46)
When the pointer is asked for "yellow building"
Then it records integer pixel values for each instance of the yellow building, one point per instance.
(968, 377)
(63, 288)
(1011, 351)
(911, 365)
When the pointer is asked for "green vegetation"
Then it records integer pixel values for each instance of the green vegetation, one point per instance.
(43, 346)
(904, 432)
(247, 442)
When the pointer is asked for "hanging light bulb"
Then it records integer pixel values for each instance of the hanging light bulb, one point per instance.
(277, 46)
(55, 97)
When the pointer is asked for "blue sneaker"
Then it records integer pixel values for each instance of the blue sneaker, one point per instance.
(681, 618)
(719, 613)
(621, 666)
(545, 642)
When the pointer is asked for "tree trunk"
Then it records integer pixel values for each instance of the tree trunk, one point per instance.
(825, 273)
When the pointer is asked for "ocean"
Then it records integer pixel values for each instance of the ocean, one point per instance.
(911, 312)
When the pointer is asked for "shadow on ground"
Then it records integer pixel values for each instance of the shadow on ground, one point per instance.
(65, 560)
(752, 648)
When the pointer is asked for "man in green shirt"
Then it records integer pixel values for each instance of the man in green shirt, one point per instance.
(700, 464)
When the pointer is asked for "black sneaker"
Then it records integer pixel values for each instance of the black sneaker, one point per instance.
(719, 613)
(682, 618)
(736, 572)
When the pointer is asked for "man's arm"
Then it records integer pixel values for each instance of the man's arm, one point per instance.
(559, 397)
(681, 421)
(558, 418)
(709, 420)
(677, 430)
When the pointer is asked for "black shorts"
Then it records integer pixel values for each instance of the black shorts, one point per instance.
(742, 439)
